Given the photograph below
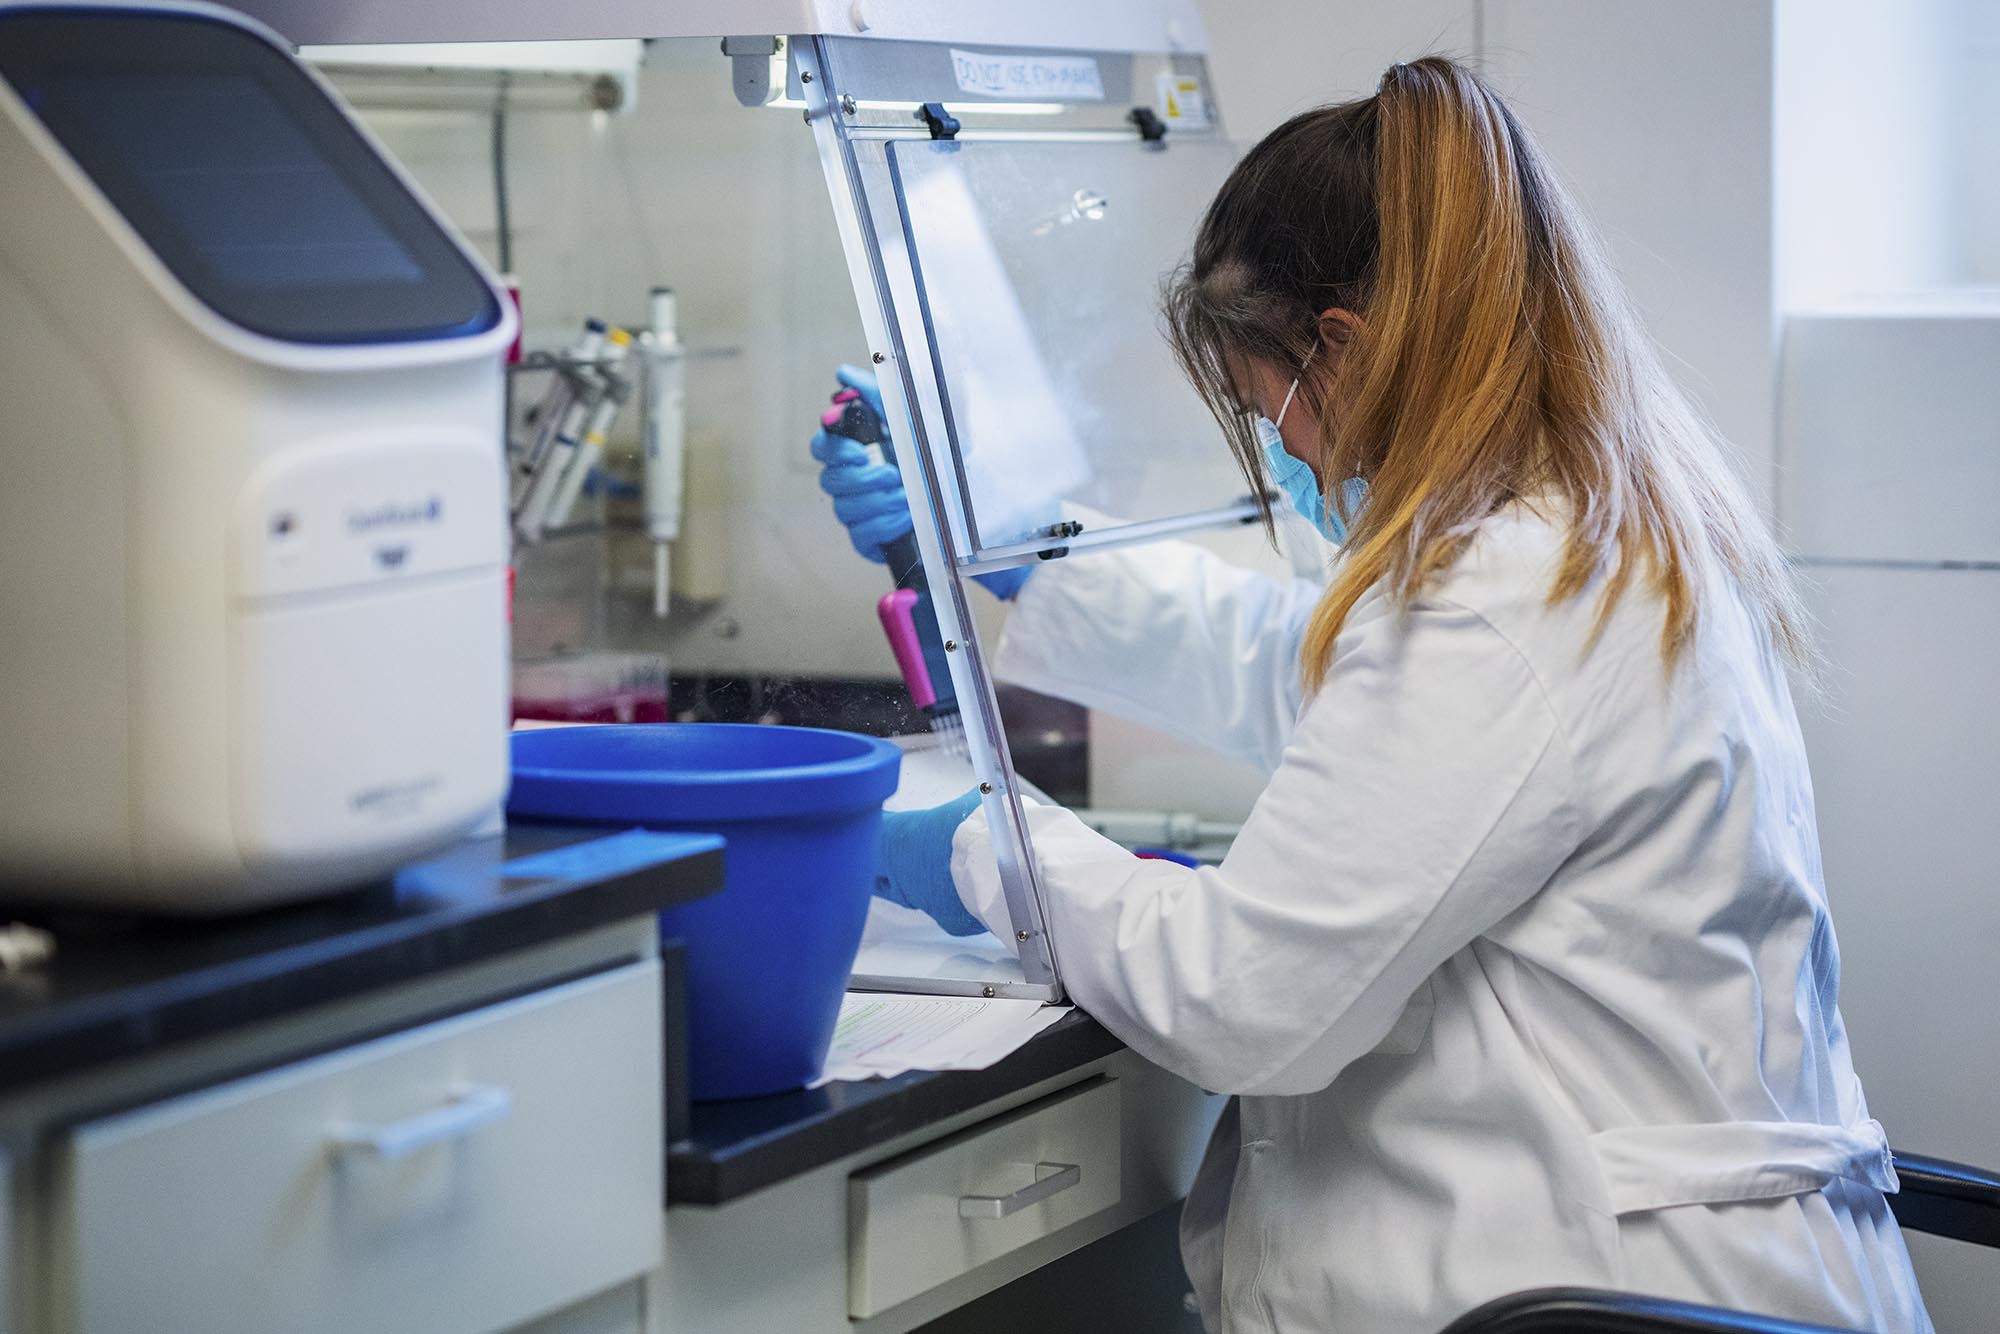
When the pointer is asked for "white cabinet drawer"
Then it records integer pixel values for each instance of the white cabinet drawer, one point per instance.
(926, 1218)
(463, 1176)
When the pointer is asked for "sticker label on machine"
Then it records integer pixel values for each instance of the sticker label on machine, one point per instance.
(1025, 77)
(1179, 101)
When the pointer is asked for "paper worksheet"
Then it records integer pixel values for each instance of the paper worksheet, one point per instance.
(884, 1033)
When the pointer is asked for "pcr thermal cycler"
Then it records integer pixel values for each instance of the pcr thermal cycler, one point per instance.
(253, 638)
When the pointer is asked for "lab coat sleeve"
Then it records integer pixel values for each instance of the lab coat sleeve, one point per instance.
(1167, 635)
(1427, 794)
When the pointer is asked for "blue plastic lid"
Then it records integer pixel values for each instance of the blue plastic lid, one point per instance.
(683, 772)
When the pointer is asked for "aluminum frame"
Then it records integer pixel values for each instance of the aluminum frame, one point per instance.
(878, 266)
(855, 159)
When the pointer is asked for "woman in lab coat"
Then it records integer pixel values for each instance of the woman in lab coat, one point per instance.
(1521, 964)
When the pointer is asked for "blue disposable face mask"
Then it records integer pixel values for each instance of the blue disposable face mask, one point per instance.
(1296, 479)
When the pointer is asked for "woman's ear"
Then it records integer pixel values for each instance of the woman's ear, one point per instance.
(1337, 327)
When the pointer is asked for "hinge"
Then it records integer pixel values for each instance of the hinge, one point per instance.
(1068, 528)
(943, 125)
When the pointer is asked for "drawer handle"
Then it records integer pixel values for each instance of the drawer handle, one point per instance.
(1061, 1176)
(468, 1110)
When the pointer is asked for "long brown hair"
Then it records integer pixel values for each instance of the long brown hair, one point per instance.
(1495, 360)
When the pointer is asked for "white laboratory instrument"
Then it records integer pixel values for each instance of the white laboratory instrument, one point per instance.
(665, 439)
(253, 643)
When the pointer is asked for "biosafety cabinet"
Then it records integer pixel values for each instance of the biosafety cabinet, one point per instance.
(1009, 186)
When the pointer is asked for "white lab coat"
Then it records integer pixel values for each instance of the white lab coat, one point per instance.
(1521, 963)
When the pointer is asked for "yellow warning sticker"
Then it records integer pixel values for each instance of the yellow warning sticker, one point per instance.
(1179, 100)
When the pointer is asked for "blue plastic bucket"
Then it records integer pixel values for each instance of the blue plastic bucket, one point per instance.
(801, 810)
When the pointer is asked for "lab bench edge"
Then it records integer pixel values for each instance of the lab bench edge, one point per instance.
(737, 1147)
(119, 988)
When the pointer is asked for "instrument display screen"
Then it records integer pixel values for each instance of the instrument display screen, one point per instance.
(240, 173)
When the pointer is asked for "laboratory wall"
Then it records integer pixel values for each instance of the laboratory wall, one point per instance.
(1274, 58)
(1888, 172)
(1980, 109)
(1659, 119)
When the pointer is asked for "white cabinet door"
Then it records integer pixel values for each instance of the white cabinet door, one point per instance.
(465, 1176)
(1890, 447)
(1905, 762)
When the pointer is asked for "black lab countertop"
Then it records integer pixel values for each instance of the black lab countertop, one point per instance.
(122, 985)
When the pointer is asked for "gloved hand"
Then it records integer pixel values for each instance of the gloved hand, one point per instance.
(868, 497)
(916, 863)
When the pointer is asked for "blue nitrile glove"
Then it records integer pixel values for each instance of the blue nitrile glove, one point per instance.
(916, 863)
(868, 496)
